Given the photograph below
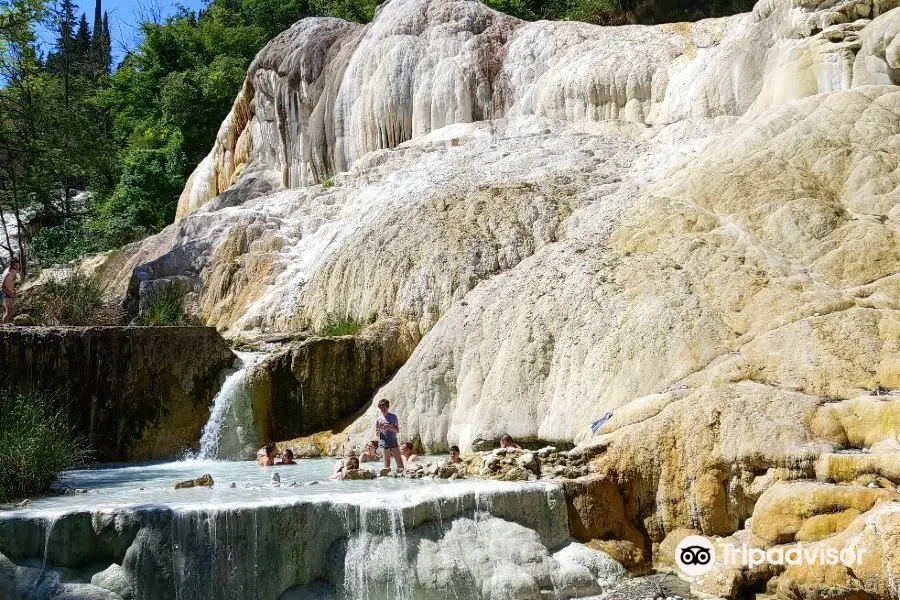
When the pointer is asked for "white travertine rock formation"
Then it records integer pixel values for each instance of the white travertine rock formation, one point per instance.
(694, 226)
(557, 261)
(776, 236)
(325, 93)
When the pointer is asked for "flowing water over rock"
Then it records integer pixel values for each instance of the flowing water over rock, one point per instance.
(133, 535)
(229, 431)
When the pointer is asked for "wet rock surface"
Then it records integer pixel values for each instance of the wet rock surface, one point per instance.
(137, 393)
(410, 551)
(23, 321)
(357, 474)
(202, 481)
(509, 464)
(308, 386)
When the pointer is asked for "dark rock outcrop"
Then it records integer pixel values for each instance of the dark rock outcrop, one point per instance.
(313, 385)
(136, 393)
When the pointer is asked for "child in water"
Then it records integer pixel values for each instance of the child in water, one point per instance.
(387, 426)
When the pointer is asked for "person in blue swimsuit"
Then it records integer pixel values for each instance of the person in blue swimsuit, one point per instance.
(387, 426)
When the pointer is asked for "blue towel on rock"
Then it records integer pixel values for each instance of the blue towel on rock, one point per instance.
(599, 422)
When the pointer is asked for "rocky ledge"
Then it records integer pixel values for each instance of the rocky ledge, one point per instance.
(401, 546)
(136, 393)
(504, 464)
(852, 504)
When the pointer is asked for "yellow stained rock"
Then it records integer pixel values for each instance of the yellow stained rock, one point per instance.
(793, 511)
(863, 421)
(845, 468)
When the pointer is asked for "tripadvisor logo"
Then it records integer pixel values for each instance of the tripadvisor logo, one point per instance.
(695, 555)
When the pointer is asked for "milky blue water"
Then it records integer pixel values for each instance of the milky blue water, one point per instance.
(142, 484)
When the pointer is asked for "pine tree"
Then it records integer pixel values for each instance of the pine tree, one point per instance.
(81, 47)
(66, 25)
(107, 44)
(59, 60)
(100, 44)
(98, 24)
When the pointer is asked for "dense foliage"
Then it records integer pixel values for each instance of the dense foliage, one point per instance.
(37, 443)
(620, 12)
(130, 136)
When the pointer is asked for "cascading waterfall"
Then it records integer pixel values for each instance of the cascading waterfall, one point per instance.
(377, 531)
(227, 413)
(403, 541)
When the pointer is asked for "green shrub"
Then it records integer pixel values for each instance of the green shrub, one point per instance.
(37, 443)
(71, 299)
(68, 241)
(329, 183)
(335, 325)
(166, 307)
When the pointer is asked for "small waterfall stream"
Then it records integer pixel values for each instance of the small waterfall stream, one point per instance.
(226, 434)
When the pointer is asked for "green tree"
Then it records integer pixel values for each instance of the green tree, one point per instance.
(23, 163)
(101, 47)
(81, 44)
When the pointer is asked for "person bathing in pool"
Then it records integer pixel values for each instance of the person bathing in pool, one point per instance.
(370, 453)
(287, 458)
(267, 459)
(507, 442)
(387, 426)
(406, 450)
(352, 463)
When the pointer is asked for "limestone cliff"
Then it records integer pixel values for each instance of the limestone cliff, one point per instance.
(325, 93)
(313, 385)
(694, 226)
(135, 393)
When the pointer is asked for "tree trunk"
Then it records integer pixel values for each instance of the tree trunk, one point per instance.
(20, 228)
(8, 245)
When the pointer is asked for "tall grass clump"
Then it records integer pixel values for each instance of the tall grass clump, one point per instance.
(166, 306)
(334, 325)
(37, 443)
(72, 299)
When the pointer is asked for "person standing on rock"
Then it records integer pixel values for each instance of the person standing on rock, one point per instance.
(387, 426)
(8, 289)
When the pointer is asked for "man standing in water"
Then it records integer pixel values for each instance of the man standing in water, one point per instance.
(387, 426)
(8, 289)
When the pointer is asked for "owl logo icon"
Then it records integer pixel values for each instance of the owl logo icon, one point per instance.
(695, 555)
